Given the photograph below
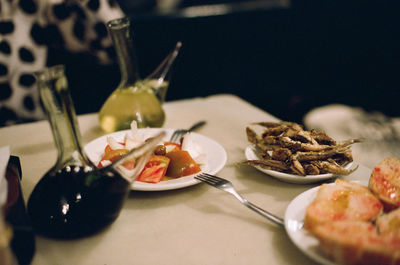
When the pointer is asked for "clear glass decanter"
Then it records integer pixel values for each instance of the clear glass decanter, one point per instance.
(75, 198)
(134, 98)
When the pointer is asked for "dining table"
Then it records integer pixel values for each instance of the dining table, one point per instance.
(197, 224)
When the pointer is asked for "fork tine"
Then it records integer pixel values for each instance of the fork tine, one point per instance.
(173, 136)
(215, 178)
(177, 135)
(209, 179)
(204, 178)
(227, 186)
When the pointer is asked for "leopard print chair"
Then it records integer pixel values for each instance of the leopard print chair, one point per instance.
(28, 29)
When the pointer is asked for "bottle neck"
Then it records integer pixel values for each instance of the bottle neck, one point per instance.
(122, 38)
(53, 88)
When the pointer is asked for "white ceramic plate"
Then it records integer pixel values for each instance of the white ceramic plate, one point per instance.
(216, 157)
(294, 219)
(252, 154)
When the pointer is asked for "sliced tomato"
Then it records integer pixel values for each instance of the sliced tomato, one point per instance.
(129, 164)
(113, 155)
(181, 164)
(170, 146)
(155, 169)
(108, 148)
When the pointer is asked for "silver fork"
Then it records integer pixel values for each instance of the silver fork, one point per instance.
(227, 186)
(178, 134)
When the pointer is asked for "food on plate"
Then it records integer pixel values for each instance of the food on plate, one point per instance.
(389, 224)
(169, 160)
(353, 224)
(357, 242)
(345, 200)
(183, 164)
(385, 182)
(287, 147)
(155, 169)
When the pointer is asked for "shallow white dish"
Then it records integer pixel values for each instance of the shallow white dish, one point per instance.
(252, 154)
(216, 157)
(294, 219)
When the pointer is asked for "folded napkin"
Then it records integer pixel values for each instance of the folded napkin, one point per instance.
(381, 133)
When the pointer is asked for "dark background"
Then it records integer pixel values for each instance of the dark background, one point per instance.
(285, 60)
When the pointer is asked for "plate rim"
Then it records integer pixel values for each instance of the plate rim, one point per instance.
(292, 223)
(250, 153)
(168, 184)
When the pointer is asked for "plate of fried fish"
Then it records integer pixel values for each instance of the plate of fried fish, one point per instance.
(285, 150)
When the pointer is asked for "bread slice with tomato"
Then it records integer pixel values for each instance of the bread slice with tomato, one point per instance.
(357, 242)
(389, 224)
(342, 201)
(384, 182)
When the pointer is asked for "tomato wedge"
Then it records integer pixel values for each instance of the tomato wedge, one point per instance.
(182, 164)
(155, 169)
(113, 155)
(170, 146)
(107, 149)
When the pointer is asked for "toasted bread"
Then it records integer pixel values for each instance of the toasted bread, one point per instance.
(343, 201)
(389, 224)
(357, 242)
(385, 183)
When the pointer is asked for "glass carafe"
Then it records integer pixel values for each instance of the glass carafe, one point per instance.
(74, 198)
(134, 98)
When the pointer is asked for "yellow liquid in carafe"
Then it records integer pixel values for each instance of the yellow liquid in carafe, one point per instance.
(125, 105)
